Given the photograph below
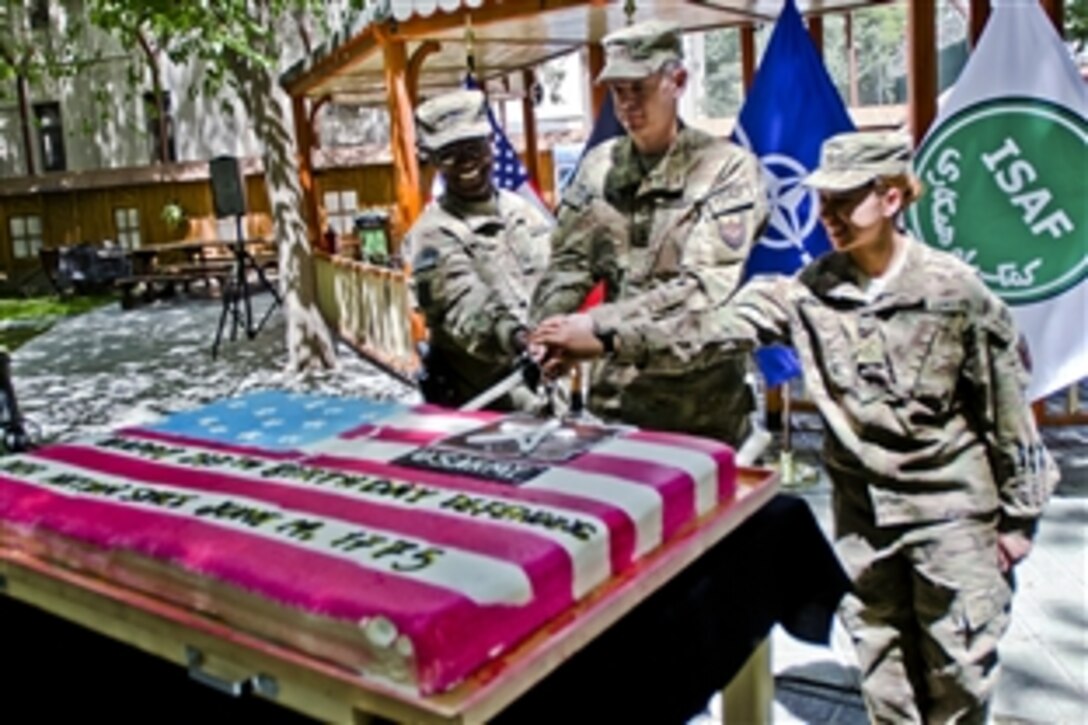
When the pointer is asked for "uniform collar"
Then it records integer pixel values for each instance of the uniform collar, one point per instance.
(835, 276)
(669, 174)
(475, 213)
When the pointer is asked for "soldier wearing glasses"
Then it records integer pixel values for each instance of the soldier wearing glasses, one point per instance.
(938, 472)
(478, 252)
(664, 215)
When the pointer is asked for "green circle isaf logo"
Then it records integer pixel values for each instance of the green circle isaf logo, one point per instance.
(1007, 192)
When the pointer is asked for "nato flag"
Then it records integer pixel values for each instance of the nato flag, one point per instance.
(789, 111)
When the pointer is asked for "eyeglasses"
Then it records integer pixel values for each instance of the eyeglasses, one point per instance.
(463, 151)
(847, 199)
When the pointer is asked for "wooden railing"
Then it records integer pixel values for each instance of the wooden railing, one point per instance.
(1074, 409)
(368, 307)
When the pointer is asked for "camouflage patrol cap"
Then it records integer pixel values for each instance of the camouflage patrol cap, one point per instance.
(452, 117)
(853, 159)
(640, 50)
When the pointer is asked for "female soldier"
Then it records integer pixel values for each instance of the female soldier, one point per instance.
(937, 469)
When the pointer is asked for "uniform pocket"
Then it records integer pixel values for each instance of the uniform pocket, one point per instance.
(833, 347)
(926, 354)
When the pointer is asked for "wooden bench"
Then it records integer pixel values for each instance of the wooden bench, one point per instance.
(166, 283)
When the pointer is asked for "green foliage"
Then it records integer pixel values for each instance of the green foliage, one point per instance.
(723, 83)
(219, 35)
(35, 55)
(1076, 23)
(38, 314)
(38, 307)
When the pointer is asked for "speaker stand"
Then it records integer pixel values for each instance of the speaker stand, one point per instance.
(236, 303)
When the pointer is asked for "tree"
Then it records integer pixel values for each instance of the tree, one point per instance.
(238, 44)
(1076, 23)
(722, 81)
(33, 48)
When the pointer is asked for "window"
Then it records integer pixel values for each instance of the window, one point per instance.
(127, 221)
(340, 210)
(26, 235)
(39, 14)
(50, 136)
(154, 129)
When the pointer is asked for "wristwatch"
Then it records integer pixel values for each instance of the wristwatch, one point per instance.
(607, 338)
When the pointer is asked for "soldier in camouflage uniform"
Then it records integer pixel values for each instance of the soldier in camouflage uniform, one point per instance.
(661, 213)
(478, 252)
(939, 474)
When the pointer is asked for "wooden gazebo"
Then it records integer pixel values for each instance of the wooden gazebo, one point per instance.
(401, 49)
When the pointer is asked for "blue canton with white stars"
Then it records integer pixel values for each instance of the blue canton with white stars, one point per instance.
(276, 419)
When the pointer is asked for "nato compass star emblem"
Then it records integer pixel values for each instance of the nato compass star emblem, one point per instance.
(793, 207)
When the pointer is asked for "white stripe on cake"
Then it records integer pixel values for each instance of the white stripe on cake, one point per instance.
(641, 503)
(590, 557)
(702, 467)
(361, 448)
(483, 579)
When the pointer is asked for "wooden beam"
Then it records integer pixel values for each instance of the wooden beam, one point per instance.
(304, 140)
(851, 60)
(314, 108)
(344, 56)
(1055, 10)
(978, 14)
(415, 67)
(747, 55)
(921, 66)
(597, 91)
(528, 120)
(816, 32)
(402, 134)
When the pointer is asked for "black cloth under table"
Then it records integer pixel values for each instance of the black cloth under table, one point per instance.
(659, 664)
(663, 661)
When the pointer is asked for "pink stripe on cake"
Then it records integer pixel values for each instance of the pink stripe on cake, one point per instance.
(483, 416)
(546, 563)
(621, 527)
(291, 575)
(182, 440)
(723, 455)
(393, 434)
(432, 617)
(677, 487)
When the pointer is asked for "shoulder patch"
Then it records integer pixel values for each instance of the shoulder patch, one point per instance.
(427, 259)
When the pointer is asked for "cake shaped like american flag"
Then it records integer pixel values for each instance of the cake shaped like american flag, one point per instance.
(409, 543)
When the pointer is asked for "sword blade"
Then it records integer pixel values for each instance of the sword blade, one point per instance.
(495, 392)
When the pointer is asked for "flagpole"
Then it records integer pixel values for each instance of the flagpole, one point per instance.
(786, 470)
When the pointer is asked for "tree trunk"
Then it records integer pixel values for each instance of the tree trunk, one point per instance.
(309, 343)
(156, 86)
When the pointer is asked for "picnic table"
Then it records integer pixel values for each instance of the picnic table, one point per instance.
(161, 270)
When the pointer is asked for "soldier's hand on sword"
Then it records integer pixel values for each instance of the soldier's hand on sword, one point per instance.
(567, 339)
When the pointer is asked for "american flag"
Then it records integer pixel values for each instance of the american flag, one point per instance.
(419, 574)
(508, 172)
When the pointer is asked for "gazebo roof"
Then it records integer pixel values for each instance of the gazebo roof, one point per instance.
(507, 36)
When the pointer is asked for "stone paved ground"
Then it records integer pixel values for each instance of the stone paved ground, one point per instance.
(110, 368)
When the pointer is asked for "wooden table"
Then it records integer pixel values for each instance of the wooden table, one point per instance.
(181, 263)
(234, 661)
